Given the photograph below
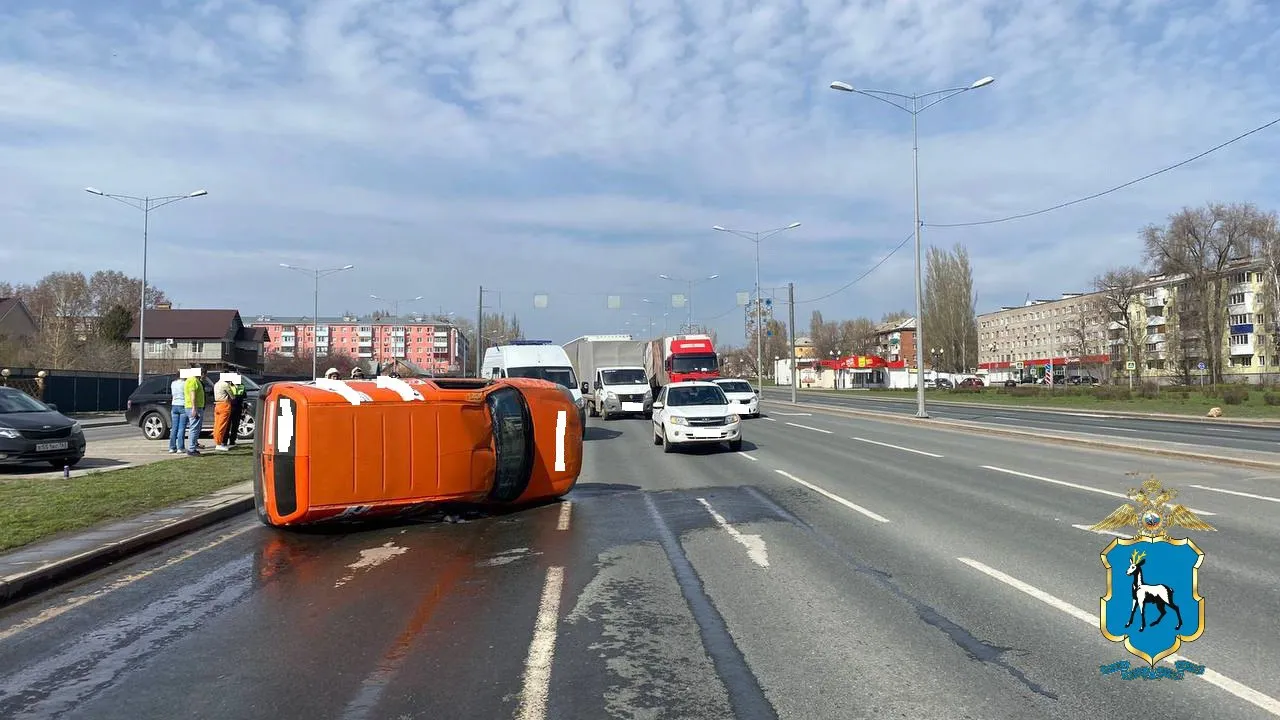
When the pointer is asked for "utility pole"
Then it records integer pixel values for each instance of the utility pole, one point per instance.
(795, 373)
(479, 330)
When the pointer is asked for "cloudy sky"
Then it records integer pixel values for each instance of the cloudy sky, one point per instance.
(579, 148)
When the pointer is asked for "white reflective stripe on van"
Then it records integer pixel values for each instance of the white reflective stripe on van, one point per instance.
(402, 388)
(341, 388)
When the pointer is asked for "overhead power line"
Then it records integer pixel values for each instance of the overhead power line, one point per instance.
(859, 279)
(1108, 191)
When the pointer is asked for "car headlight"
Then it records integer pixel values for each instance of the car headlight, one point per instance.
(611, 396)
(7, 432)
(580, 402)
(732, 419)
(677, 420)
(76, 429)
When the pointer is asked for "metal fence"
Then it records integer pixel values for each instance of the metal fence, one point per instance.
(77, 391)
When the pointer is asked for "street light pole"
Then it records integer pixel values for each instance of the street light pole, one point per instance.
(756, 237)
(688, 299)
(914, 109)
(395, 304)
(146, 205)
(315, 307)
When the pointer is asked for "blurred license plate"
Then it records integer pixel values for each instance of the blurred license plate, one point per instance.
(45, 447)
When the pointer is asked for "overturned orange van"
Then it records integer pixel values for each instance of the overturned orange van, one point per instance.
(342, 449)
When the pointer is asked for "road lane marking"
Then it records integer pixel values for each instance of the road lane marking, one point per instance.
(566, 509)
(1112, 428)
(770, 419)
(562, 422)
(1240, 690)
(1237, 492)
(537, 666)
(776, 412)
(897, 447)
(745, 455)
(1087, 528)
(75, 602)
(1090, 415)
(753, 543)
(806, 427)
(852, 506)
(1077, 486)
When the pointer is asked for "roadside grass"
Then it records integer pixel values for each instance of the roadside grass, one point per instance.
(1234, 400)
(36, 508)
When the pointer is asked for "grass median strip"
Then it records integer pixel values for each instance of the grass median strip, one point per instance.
(32, 509)
(1237, 403)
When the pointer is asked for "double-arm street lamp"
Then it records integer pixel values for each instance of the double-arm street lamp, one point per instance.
(914, 105)
(688, 299)
(756, 237)
(316, 273)
(146, 205)
(395, 304)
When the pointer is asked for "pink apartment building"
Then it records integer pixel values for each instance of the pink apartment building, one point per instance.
(434, 347)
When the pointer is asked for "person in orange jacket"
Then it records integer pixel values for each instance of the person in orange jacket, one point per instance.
(221, 412)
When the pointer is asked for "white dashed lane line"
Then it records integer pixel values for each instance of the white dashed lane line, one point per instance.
(807, 427)
(754, 544)
(1217, 679)
(897, 447)
(1077, 486)
(852, 506)
(566, 510)
(1237, 493)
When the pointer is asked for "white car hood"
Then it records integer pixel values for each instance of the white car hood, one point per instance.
(700, 410)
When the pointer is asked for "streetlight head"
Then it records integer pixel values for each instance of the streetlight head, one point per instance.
(713, 277)
(375, 297)
(94, 190)
(665, 277)
(842, 86)
(418, 298)
(198, 193)
(347, 267)
(982, 83)
(793, 226)
(285, 265)
(717, 227)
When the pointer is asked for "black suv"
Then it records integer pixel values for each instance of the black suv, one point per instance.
(150, 406)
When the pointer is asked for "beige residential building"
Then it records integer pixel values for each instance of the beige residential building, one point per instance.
(1067, 332)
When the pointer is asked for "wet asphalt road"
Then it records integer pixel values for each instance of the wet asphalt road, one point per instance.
(1187, 432)
(878, 577)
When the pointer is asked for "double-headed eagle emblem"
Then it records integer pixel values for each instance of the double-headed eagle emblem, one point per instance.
(1151, 514)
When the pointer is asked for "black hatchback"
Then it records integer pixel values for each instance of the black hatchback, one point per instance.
(150, 407)
(32, 432)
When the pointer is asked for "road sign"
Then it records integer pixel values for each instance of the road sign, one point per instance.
(1131, 365)
(1200, 366)
(1018, 365)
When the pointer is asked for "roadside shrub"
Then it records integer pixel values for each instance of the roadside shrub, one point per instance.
(1235, 394)
(1023, 391)
(1184, 395)
(1112, 392)
(1271, 398)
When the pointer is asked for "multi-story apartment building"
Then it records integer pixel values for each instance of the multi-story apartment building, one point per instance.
(435, 347)
(895, 341)
(1157, 333)
(1068, 333)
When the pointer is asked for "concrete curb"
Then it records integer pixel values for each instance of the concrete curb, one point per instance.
(17, 587)
(973, 429)
(1239, 422)
(86, 424)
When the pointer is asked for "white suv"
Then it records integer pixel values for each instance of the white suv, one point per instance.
(742, 396)
(696, 412)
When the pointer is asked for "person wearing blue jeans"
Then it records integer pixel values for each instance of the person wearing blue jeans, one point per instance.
(177, 415)
(193, 397)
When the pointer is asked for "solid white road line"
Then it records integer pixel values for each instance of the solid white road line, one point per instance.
(1077, 486)
(806, 427)
(1237, 492)
(770, 419)
(562, 423)
(775, 412)
(75, 602)
(537, 666)
(566, 509)
(1114, 429)
(753, 543)
(837, 498)
(745, 455)
(897, 447)
(1240, 690)
(1086, 528)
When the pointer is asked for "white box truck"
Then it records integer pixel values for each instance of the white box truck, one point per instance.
(611, 370)
(539, 359)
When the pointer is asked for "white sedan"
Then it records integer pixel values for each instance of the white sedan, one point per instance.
(742, 397)
(694, 413)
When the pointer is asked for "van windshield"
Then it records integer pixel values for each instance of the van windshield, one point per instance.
(629, 376)
(558, 375)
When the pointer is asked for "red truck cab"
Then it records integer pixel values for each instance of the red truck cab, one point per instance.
(692, 358)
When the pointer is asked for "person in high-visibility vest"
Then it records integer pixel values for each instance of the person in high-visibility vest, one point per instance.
(237, 410)
(195, 402)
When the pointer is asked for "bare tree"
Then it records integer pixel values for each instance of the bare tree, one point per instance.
(825, 335)
(1086, 329)
(1201, 243)
(895, 316)
(857, 336)
(776, 345)
(950, 308)
(1119, 289)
